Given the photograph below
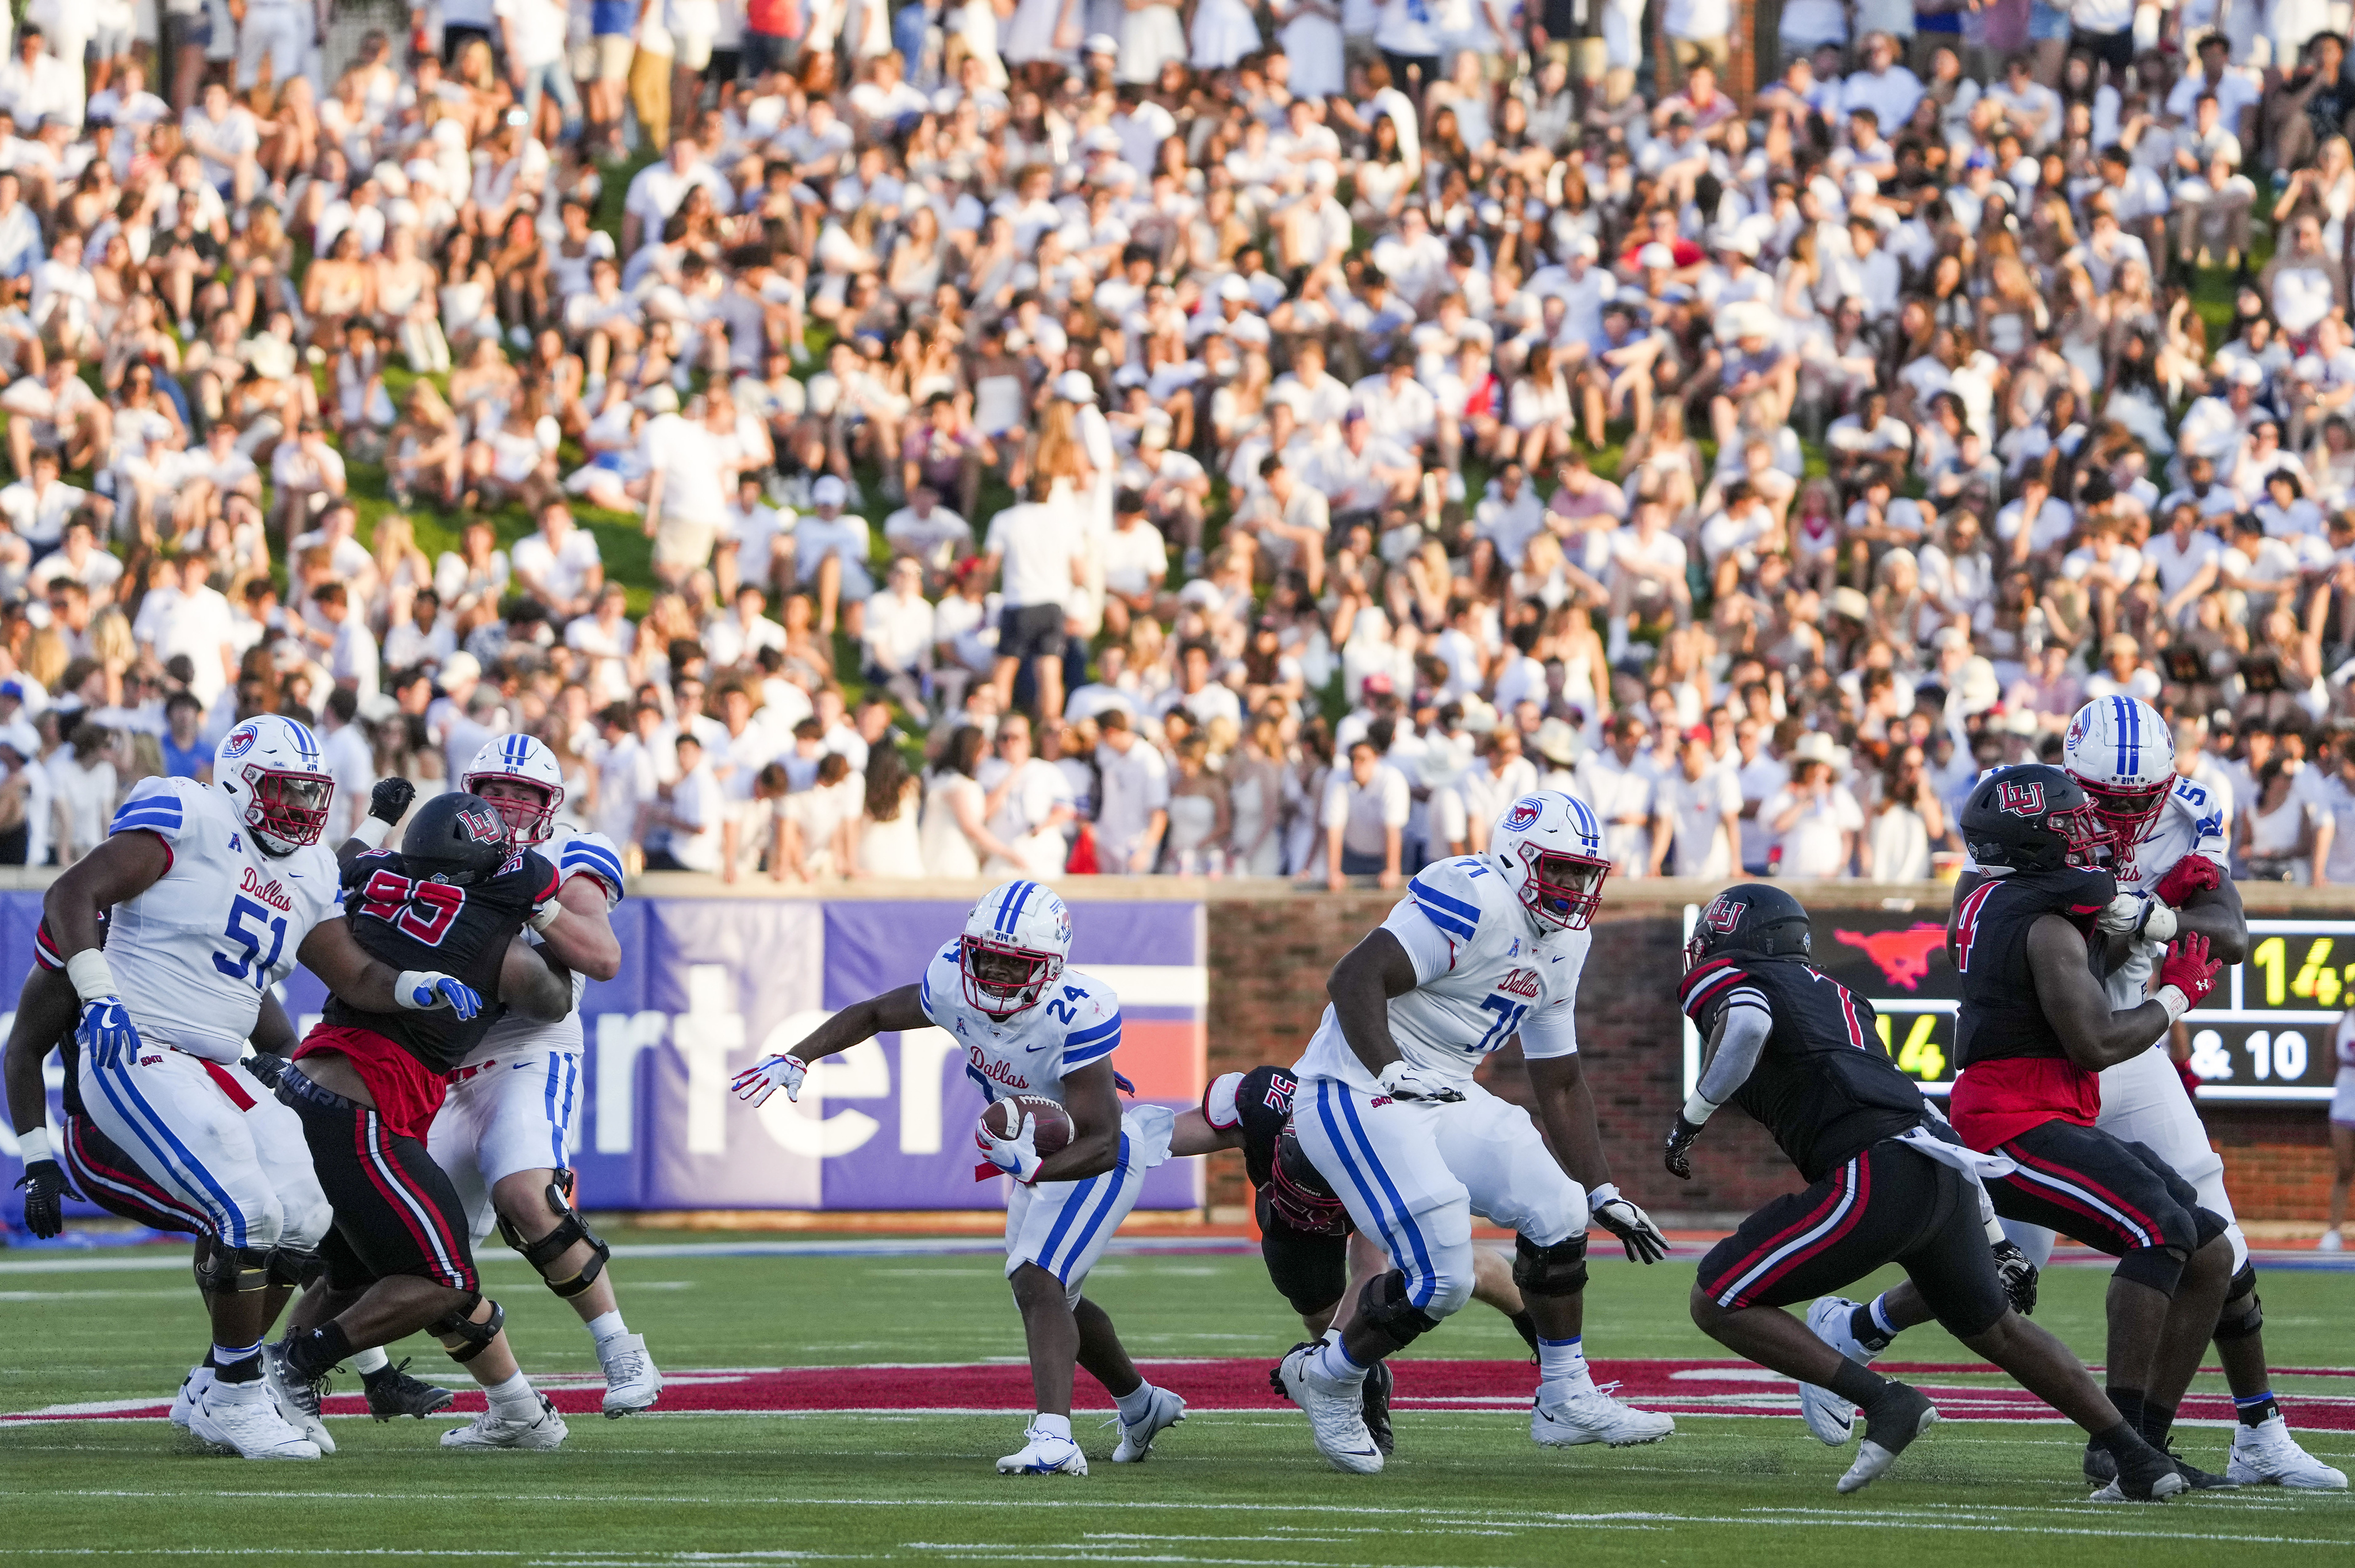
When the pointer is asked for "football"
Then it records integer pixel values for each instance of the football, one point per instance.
(1054, 1122)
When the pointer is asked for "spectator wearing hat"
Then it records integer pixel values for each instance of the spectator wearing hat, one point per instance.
(830, 550)
(1814, 819)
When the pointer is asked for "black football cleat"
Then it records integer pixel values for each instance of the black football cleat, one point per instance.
(1275, 1372)
(1378, 1407)
(391, 1392)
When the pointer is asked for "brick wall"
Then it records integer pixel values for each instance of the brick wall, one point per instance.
(1268, 957)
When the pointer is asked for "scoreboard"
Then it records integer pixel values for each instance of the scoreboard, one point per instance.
(2263, 1036)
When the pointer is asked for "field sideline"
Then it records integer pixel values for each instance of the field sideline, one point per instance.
(888, 1458)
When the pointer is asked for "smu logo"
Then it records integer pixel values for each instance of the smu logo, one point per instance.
(2020, 799)
(1524, 814)
(241, 740)
(1901, 956)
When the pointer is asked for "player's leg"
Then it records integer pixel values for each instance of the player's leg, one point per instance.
(2343, 1178)
(112, 1179)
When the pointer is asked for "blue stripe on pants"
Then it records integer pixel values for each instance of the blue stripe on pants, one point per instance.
(1428, 1282)
(1333, 1134)
(1072, 1207)
(192, 1177)
(1119, 1174)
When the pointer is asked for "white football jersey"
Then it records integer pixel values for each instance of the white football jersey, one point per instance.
(195, 952)
(576, 854)
(1485, 969)
(2191, 823)
(1076, 1020)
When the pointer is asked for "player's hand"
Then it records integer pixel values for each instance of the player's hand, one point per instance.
(2191, 875)
(2018, 1277)
(1016, 1154)
(1676, 1154)
(766, 1076)
(1643, 1240)
(43, 1183)
(2139, 914)
(430, 990)
(2189, 969)
(390, 800)
(106, 1032)
(1401, 1081)
(267, 1066)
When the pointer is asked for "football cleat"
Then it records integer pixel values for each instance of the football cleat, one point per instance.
(1046, 1455)
(492, 1430)
(297, 1399)
(394, 1392)
(1378, 1407)
(192, 1389)
(1137, 1437)
(1904, 1414)
(632, 1384)
(1336, 1410)
(1831, 1418)
(244, 1416)
(2153, 1480)
(2267, 1455)
(2331, 1242)
(1567, 1417)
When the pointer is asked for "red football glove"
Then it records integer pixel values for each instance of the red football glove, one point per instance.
(2188, 968)
(2192, 874)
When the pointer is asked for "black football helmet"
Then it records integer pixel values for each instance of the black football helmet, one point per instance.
(457, 839)
(1754, 917)
(2030, 818)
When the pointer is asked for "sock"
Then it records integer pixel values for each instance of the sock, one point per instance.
(1333, 1335)
(370, 1362)
(2157, 1421)
(1046, 1426)
(1334, 1361)
(208, 1363)
(308, 1356)
(2122, 1443)
(1527, 1328)
(513, 1399)
(2129, 1404)
(2255, 1409)
(607, 1326)
(1867, 1328)
(235, 1364)
(1563, 1360)
(1859, 1385)
(1135, 1402)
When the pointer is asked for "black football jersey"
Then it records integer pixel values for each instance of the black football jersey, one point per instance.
(1824, 1086)
(1296, 1193)
(462, 932)
(1264, 1104)
(2001, 1014)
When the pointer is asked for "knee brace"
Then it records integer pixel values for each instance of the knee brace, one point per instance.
(294, 1267)
(2244, 1314)
(1384, 1308)
(569, 1227)
(232, 1271)
(461, 1325)
(1557, 1270)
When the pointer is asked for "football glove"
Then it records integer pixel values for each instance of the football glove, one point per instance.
(106, 1032)
(44, 1184)
(2190, 970)
(390, 800)
(1401, 1081)
(2140, 915)
(766, 1076)
(1016, 1154)
(266, 1065)
(430, 990)
(2191, 875)
(2018, 1277)
(1643, 1240)
(1676, 1154)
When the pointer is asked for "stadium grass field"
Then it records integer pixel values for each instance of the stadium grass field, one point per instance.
(1229, 1487)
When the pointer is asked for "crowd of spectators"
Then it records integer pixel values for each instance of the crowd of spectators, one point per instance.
(1110, 436)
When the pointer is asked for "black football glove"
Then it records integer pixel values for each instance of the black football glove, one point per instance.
(45, 1185)
(1677, 1153)
(2018, 1277)
(390, 800)
(266, 1065)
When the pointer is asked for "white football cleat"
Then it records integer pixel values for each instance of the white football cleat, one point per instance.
(1137, 1437)
(1044, 1454)
(298, 1400)
(2267, 1455)
(245, 1417)
(1830, 1417)
(1337, 1411)
(192, 1389)
(1564, 1417)
(632, 1383)
(492, 1430)
(2331, 1243)
(1905, 1414)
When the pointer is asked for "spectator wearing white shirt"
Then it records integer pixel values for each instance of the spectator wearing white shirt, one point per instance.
(738, 636)
(1814, 819)
(560, 565)
(830, 550)
(1038, 549)
(1132, 810)
(1026, 803)
(1617, 782)
(1698, 810)
(1364, 814)
(191, 618)
(898, 635)
(682, 825)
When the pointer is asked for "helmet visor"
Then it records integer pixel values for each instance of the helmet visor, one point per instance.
(1001, 979)
(1565, 889)
(293, 806)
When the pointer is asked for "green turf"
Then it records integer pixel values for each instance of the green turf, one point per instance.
(1226, 1487)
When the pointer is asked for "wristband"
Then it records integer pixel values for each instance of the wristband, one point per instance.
(1698, 1111)
(373, 831)
(2172, 999)
(2158, 924)
(33, 1147)
(1596, 1197)
(542, 919)
(91, 975)
(407, 985)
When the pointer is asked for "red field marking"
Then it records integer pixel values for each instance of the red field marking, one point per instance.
(1679, 1387)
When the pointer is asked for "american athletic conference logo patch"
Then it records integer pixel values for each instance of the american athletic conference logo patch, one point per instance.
(1524, 814)
(241, 740)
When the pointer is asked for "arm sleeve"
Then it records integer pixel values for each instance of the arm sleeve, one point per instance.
(1220, 1102)
(1748, 1021)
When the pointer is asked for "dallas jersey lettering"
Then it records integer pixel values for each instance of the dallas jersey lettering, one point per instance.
(1484, 971)
(1075, 1021)
(576, 854)
(194, 952)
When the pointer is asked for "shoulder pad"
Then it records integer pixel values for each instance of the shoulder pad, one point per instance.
(156, 806)
(592, 854)
(368, 863)
(1448, 894)
(1093, 1030)
(1710, 982)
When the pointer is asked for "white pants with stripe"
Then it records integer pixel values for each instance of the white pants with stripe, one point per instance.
(512, 1113)
(1064, 1226)
(2144, 1102)
(1413, 1174)
(214, 1138)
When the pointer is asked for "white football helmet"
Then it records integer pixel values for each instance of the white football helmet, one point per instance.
(519, 759)
(271, 768)
(1014, 946)
(1550, 847)
(2120, 754)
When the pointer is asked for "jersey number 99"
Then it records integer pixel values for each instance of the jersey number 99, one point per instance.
(425, 910)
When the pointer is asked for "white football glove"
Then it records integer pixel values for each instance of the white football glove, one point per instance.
(766, 1076)
(2139, 914)
(1401, 1081)
(1017, 1154)
(1643, 1240)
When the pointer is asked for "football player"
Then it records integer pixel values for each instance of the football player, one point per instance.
(366, 1083)
(1797, 1051)
(1030, 1026)
(2162, 837)
(1482, 948)
(209, 894)
(501, 1134)
(1316, 1258)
